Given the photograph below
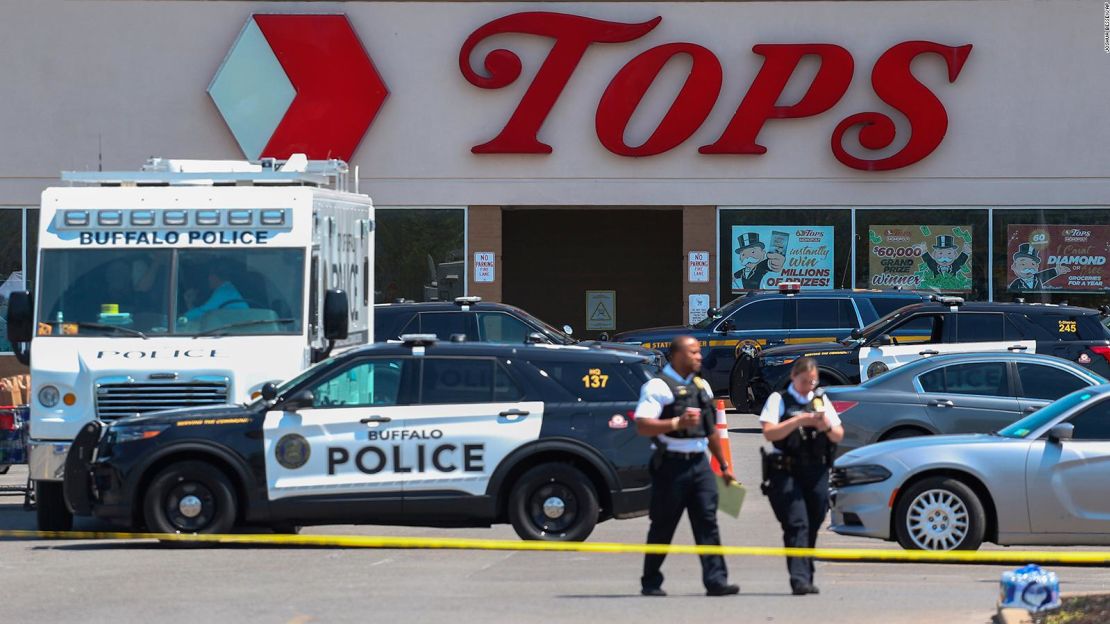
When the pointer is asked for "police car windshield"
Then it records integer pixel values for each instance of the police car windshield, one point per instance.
(725, 310)
(1046, 414)
(557, 336)
(869, 332)
(286, 386)
(121, 292)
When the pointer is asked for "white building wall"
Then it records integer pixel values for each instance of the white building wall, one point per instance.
(1026, 114)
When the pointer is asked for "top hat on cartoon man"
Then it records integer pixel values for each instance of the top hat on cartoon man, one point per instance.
(945, 241)
(1027, 250)
(749, 239)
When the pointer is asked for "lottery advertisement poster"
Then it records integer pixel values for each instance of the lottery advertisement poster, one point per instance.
(1044, 258)
(920, 257)
(764, 255)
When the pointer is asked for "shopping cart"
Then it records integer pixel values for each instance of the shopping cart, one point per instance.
(14, 432)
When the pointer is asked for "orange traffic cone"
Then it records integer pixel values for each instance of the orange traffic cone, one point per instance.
(722, 430)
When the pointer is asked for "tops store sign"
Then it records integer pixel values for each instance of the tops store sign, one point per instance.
(304, 83)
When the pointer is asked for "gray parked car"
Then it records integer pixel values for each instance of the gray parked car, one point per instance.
(1041, 480)
(956, 393)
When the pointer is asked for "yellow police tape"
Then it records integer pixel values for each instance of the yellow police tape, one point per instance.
(1065, 558)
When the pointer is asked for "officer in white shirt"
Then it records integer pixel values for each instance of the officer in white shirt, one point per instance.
(676, 411)
(804, 429)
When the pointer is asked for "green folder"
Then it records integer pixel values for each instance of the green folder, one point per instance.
(730, 498)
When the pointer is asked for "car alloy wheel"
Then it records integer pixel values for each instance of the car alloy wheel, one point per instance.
(937, 520)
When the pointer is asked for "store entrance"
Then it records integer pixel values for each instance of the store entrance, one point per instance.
(552, 257)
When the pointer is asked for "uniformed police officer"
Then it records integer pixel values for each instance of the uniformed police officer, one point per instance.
(804, 429)
(676, 411)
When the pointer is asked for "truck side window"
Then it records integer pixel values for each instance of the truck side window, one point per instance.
(366, 384)
(769, 314)
(499, 327)
(979, 327)
(920, 329)
(456, 380)
(820, 314)
(443, 324)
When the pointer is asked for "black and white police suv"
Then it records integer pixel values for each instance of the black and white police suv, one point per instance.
(942, 325)
(415, 432)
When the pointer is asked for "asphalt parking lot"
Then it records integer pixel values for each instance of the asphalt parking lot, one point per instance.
(52, 581)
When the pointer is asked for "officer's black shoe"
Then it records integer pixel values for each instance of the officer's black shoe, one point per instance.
(723, 590)
(654, 591)
(802, 589)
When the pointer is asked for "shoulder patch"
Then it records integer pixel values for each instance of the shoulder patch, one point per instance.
(703, 384)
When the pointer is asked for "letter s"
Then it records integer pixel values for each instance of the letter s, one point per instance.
(894, 83)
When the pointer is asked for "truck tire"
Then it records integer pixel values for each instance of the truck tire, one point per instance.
(553, 502)
(50, 507)
(190, 497)
(940, 513)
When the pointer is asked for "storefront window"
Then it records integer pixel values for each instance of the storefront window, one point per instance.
(16, 259)
(930, 249)
(419, 254)
(1052, 255)
(760, 247)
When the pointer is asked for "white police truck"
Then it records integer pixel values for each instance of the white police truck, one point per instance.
(185, 284)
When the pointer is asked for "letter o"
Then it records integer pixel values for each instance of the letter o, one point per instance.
(690, 107)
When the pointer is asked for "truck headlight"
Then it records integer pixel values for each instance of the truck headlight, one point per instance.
(858, 475)
(48, 396)
(119, 435)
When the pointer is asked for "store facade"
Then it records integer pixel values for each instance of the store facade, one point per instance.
(611, 165)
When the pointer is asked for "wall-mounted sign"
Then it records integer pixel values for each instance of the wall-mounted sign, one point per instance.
(926, 257)
(891, 79)
(298, 83)
(699, 309)
(485, 266)
(601, 310)
(1058, 257)
(698, 264)
(764, 255)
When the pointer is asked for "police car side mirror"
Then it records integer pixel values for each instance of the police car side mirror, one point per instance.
(301, 400)
(856, 334)
(336, 314)
(20, 316)
(1059, 433)
(535, 338)
(268, 392)
(884, 340)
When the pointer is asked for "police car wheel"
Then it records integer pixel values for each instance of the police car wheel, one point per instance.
(190, 497)
(738, 390)
(553, 502)
(940, 513)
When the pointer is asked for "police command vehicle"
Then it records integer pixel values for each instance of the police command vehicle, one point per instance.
(767, 319)
(942, 325)
(187, 283)
(420, 432)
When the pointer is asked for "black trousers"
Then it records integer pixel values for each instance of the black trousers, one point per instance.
(800, 499)
(688, 485)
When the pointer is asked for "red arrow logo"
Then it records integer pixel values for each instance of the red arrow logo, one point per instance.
(338, 89)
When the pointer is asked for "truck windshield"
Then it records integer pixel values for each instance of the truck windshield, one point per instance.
(122, 292)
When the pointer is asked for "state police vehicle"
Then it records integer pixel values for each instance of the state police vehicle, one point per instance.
(420, 432)
(942, 325)
(483, 320)
(763, 319)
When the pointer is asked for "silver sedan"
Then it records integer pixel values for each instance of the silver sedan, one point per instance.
(954, 393)
(1041, 480)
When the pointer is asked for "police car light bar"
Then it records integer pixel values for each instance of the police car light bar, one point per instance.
(790, 287)
(419, 340)
(948, 301)
(467, 300)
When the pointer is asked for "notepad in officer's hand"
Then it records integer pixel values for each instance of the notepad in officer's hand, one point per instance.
(730, 497)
